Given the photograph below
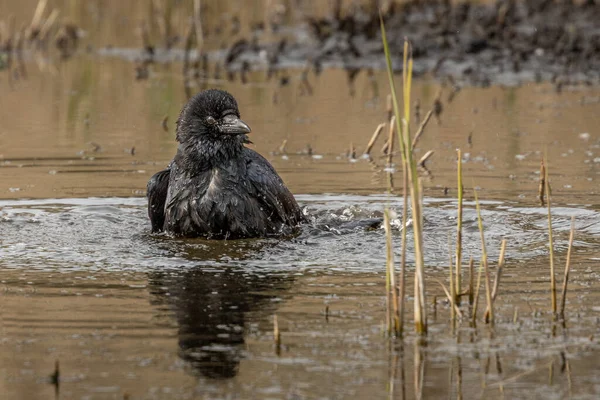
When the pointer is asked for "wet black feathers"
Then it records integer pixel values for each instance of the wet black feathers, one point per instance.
(215, 187)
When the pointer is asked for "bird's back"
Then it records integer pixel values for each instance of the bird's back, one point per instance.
(239, 198)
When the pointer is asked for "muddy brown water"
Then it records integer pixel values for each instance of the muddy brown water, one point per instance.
(128, 313)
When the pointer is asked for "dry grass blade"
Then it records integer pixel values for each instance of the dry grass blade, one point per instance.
(563, 298)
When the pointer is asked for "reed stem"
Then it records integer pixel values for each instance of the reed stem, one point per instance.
(550, 242)
(563, 298)
(458, 266)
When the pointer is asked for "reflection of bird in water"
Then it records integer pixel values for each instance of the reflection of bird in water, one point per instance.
(213, 307)
(215, 186)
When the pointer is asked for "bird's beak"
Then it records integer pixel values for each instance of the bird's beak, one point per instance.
(233, 126)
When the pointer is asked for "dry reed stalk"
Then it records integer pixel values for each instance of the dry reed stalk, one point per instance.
(47, 26)
(550, 242)
(477, 288)
(390, 148)
(459, 217)
(425, 157)
(402, 129)
(497, 280)
(37, 15)
(471, 276)
(374, 137)
(391, 274)
(488, 286)
(563, 298)
(453, 307)
(402, 279)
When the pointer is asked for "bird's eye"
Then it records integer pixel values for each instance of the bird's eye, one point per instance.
(211, 121)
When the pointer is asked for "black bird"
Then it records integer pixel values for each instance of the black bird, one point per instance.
(215, 187)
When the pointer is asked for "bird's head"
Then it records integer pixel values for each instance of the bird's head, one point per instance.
(211, 115)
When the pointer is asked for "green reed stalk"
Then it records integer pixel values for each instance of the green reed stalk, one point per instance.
(550, 241)
(563, 297)
(459, 229)
(403, 131)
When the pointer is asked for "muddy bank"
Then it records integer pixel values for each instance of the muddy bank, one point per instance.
(506, 42)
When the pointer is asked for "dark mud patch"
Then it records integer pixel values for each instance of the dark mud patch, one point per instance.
(506, 42)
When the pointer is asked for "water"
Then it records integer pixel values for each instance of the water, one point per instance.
(84, 282)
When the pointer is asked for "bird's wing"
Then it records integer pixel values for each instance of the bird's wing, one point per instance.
(272, 193)
(157, 189)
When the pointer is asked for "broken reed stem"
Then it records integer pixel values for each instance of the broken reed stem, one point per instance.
(550, 242)
(394, 319)
(371, 143)
(563, 298)
(471, 276)
(458, 226)
(37, 15)
(542, 186)
(421, 129)
(497, 280)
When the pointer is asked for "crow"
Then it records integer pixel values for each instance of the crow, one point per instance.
(216, 187)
